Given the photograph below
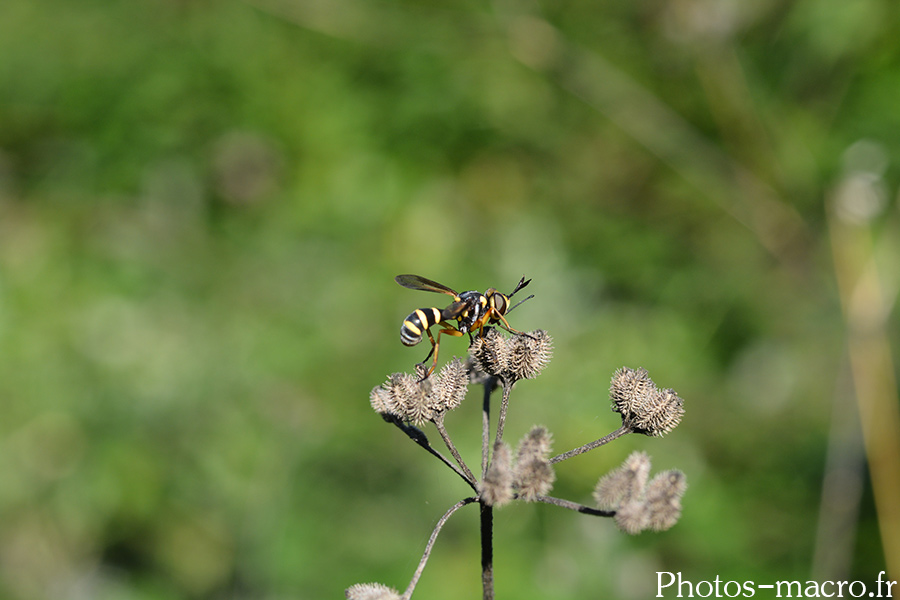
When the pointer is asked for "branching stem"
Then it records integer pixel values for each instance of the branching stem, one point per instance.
(430, 545)
(487, 512)
(624, 429)
(587, 510)
(439, 424)
(489, 386)
(419, 437)
(504, 404)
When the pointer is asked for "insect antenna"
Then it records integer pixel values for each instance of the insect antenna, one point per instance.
(522, 283)
(519, 302)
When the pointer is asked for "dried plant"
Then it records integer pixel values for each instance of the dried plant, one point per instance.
(371, 591)
(627, 495)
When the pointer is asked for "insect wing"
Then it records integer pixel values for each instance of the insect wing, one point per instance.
(454, 310)
(416, 282)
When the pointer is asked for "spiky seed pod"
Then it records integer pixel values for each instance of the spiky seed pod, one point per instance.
(390, 398)
(450, 386)
(497, 487)
(490, 353)
(534, 478)
(663, 415)
(623, 491)
(630, 386)
(638, 504)
(371, 591)
(632, 518)
(644, 408)
(625, 484)
(416, 400)
(529, 354)
(411, 398)
(422, 378)
(381, 401)
(663, 499)
(477, 376)
(533, 474)
(536, 442)
(522, 356)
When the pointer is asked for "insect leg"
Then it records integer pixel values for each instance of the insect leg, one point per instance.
(496, 315)
(449, 330)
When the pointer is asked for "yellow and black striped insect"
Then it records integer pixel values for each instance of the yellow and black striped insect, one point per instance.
(471, 310)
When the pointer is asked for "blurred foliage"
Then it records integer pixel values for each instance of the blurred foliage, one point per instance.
(202, 206)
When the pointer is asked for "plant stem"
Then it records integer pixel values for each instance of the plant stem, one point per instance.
(487, 551)
(439, 424)
(430, 544)
(419, 437)
(486, 426)
(624, 429)
(504, 404)
(575, 506)
(487, 514)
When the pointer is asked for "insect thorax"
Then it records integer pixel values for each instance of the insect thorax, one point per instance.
(476, 304)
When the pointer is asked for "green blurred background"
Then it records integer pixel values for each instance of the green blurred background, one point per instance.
(203, 204)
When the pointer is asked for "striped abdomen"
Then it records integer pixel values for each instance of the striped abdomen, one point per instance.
(416, 323)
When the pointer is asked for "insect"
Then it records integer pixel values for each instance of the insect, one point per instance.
(471, 310)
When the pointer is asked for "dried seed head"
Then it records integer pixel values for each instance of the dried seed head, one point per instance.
(450, 386)
(371, 591)
(390, 398)
(632, 518)
(534, 478)
(640, 505)
(490, 353)
(496, 489)
(381, 401)
(629, 386)
(476, 375)
(416, 400)
(522, 356)
(411, 398)
(644, 408)
(422, 378)
(663, 499)
(624, 485)
(664, 414)
(533, 474)
(529, 354)
(535, 443)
